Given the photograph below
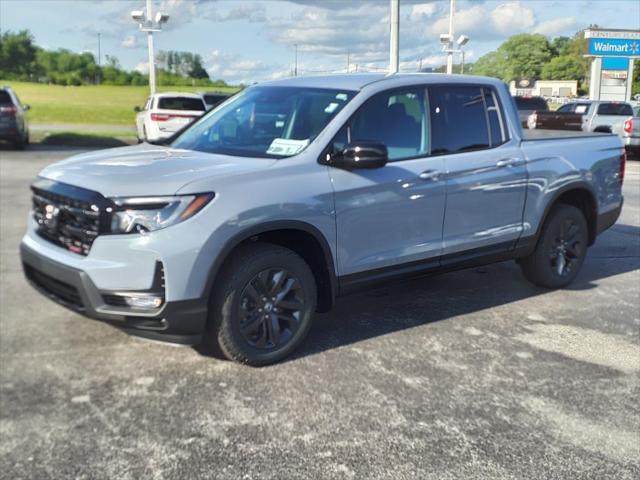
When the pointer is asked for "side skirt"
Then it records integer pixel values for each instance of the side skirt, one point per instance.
(457, 261)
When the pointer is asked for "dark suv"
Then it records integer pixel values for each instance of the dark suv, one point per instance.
(13, 119)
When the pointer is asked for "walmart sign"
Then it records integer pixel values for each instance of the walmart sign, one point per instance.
(614, 47)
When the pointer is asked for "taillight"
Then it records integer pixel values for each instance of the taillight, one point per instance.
(628, 125)
(9, 109)
(160, 117)
(623, 163)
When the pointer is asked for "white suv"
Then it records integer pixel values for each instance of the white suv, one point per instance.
(166, 113)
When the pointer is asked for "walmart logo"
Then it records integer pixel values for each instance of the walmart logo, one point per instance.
(614, 47)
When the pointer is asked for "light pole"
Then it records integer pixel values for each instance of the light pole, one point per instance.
(394, 37)
(450, 38)
(462, 41)
(295, 67)
(149, 24)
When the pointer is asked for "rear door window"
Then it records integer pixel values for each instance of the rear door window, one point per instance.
(180, 103)
(458, 119)
(497, 125)
(614, 108)
(567, 108)
(582, 108)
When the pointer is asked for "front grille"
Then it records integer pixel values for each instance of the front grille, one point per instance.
(69, 216)
(62, 292)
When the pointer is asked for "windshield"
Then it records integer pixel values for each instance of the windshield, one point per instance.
(269, 122)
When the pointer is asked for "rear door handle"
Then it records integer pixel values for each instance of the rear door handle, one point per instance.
(507, 162)
(430, 175)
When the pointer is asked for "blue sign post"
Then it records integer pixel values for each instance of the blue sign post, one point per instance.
(613, 52)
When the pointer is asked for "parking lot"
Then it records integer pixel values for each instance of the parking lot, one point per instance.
(470, 375)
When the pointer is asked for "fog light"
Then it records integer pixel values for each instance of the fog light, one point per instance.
(144, 302)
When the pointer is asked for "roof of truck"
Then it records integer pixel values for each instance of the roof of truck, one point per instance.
(357, 81)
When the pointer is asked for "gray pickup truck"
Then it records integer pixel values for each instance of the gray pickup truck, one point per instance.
(297, 191)
(586, 115)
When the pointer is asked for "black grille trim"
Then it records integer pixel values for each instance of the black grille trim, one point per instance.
(70, 216)
(61, 292)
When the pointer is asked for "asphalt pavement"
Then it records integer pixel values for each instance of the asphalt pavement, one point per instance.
(470, 375)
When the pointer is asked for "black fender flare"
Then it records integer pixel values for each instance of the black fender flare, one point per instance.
(271, 226)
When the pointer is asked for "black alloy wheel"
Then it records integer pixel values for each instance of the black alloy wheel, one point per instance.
(271, 308)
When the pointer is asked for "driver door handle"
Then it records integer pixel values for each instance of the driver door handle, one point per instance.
(507, 162)
(432, 175)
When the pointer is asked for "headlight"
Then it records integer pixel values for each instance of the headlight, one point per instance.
(146, 214)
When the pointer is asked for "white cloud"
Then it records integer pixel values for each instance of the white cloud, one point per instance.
(556, 26)
(143, 67)
(130, 41)
(512, 17)
(418, 12)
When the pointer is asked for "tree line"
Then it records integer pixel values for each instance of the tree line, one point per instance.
(21, 59)
(535, 57)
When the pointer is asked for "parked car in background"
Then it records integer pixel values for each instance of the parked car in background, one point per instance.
(306, 188)
(586, 115)
(213, 99)
(164, 114)
(13, 119)
(526, 105)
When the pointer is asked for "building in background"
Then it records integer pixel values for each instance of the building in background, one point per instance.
(544, 88)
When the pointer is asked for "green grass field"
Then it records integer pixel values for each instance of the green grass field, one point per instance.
(94, 104)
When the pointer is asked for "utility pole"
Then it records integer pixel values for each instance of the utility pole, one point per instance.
(149, 24)
(394, 37)
(450, 49)
(462, 64)
(97, 79)
(295, 68)
(152, 57)
(348, 61)
(420, 65)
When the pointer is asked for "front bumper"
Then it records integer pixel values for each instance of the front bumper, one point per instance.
(180, 321)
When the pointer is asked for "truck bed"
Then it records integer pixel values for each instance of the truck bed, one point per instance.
(542, 134)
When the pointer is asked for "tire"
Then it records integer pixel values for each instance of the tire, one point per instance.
(560, 251)
(249, 329)
(144, 134)
(19, 144)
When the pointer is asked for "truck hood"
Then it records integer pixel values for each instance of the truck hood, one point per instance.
(146, 169)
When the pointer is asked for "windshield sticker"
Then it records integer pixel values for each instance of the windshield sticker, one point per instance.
(282, 146)
(331, 107)
(341, 96)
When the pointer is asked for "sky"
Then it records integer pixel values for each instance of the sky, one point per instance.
(254, 40)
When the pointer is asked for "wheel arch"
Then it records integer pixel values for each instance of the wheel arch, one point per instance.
(581, 196)
(301, 237)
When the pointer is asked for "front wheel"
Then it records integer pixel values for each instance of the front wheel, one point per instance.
(262, 307)
(560, 251)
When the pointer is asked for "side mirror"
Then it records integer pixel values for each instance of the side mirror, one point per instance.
(26, 107)
(137, 109)
(361, 155)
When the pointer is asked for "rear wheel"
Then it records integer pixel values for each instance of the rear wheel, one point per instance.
(561, 249)
(263, 307)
